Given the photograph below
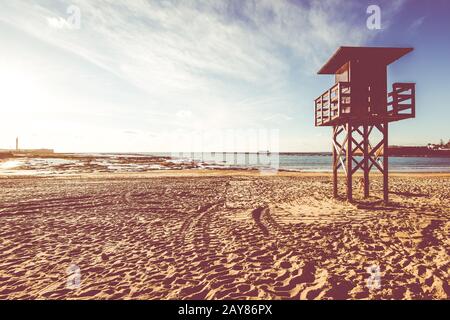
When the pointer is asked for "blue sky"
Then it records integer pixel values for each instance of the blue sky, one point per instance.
(148, 75)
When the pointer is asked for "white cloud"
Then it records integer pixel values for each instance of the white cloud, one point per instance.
(224, 61)
(194, 46)
(184, 114)
(417, 23)
(58, 23)
(278, 118)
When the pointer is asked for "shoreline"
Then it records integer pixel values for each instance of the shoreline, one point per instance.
(393, 152)
(218, 172)
(79, 164)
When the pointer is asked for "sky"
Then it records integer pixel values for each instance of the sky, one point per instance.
(148, 76)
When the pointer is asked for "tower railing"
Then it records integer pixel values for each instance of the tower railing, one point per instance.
(333, 103)
(401, 101)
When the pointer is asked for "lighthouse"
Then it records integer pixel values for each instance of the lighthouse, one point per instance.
(17, 143)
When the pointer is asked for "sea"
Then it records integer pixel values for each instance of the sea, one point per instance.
(141, 162)
(310, 162)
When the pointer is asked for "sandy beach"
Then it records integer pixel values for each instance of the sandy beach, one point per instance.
(221, 234)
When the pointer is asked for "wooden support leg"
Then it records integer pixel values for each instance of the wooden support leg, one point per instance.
(366, 160)
(348, 163)
(385, 164)
(335, 155)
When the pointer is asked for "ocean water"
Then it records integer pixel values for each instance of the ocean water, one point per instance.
(306, 161)
(142, 162)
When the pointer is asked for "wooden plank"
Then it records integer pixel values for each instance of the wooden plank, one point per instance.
(359, 131)
(321, 111)
(335, 167)
(385, 165)
(315, 113)
(358, 145)
(366, 135)
(339, 152)
(403, 97)
(375, 163)
(339, 100)
(349, 162)
(402, 107)
(358, 165)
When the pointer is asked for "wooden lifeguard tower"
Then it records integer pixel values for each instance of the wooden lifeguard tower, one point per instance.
(356, 105)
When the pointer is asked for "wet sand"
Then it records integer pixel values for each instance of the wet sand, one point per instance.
(221, 234)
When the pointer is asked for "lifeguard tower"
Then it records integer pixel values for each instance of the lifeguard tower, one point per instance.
(357, 105)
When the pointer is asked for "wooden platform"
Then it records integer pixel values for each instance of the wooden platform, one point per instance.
(334, 106)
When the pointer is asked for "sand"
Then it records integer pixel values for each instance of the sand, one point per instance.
(221, 235)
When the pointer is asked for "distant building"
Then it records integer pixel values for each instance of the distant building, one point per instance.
(433, 146)
(25, 152)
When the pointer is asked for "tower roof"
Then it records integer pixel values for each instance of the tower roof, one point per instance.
(344, 54)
